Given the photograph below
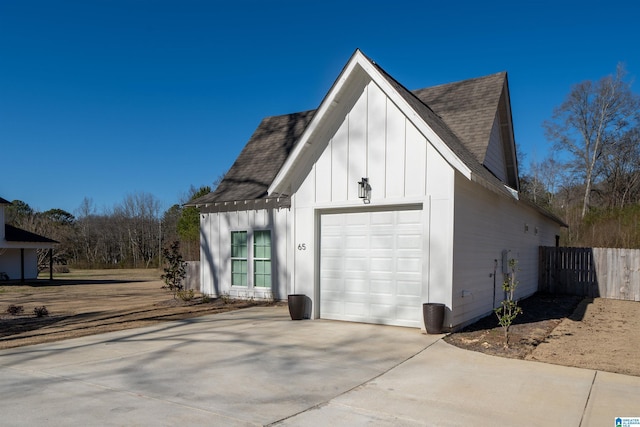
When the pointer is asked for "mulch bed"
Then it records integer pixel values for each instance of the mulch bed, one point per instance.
(541, 313)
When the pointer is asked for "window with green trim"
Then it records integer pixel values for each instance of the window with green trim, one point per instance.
(262, 259)
(239, 253)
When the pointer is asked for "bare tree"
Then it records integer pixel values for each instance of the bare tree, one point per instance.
(127, 235)
(139, 214)
(592, 116)
(542, 182)
(620, 168)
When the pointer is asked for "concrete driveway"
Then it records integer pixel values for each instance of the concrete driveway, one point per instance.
(256, 367)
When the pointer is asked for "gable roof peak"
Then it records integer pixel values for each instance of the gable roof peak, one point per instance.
(468, 107)
(265, 165)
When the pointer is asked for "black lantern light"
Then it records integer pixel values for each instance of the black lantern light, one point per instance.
(364, 190)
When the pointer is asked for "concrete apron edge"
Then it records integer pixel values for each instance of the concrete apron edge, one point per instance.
(321, 404)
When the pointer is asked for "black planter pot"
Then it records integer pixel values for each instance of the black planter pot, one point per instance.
(296, 306)
(433, 314)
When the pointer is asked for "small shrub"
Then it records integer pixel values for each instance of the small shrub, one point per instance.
(40, 311)
(15, 310)
(508, 310)
(175, 271)
(206, 299)
(4, 276)
(185, 295)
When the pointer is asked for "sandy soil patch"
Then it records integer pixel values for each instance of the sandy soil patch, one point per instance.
(602, 334)
(599, 333)
(95, 301)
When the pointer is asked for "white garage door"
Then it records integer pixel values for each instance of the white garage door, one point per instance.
(371, 267)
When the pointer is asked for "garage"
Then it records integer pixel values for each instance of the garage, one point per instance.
(371, 265)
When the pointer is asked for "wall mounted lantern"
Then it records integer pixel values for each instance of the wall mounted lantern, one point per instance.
(364, 190)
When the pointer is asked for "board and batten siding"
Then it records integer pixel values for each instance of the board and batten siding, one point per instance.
(495, 157)
(486, 224)
(377, 141)
(215, 251)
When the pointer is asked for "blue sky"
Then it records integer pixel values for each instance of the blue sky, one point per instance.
(101, 99)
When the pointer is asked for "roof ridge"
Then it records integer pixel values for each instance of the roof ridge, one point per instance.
(462, 81)
(275, 116)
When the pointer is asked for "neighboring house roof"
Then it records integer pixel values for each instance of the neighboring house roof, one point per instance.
(15, 234)
(4, 202)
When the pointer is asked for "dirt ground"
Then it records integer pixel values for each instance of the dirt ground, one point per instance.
(96, 301)
(588, 333)
(599, 333)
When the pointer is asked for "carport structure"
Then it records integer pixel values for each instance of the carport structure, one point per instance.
(19, 250)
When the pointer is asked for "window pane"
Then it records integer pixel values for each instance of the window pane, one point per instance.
(259, 280)
(239, 272)
(262, 273)
(262, 244)
(259, 252)
(239, 264)
(238, 244)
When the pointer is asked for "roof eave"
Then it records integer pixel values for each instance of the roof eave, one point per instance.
(545, 212)
(280, 202)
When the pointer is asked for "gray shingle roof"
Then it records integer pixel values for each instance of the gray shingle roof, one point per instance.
(260, 160)
(15, 234)
(460, 147)
(461, 113)
(468, 108)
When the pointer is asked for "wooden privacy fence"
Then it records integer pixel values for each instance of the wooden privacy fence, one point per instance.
(594, 272)
(192, 280)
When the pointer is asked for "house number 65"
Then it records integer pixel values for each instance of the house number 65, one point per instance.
(302, 247)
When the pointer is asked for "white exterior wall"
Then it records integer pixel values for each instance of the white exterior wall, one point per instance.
(215, 252)
(10, 263)
(377, 141)
(495, 159)
(1, 223)
(485, 225)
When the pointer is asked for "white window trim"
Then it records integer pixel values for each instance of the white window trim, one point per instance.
(232, 259)
(250, 259)
(255, 258)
